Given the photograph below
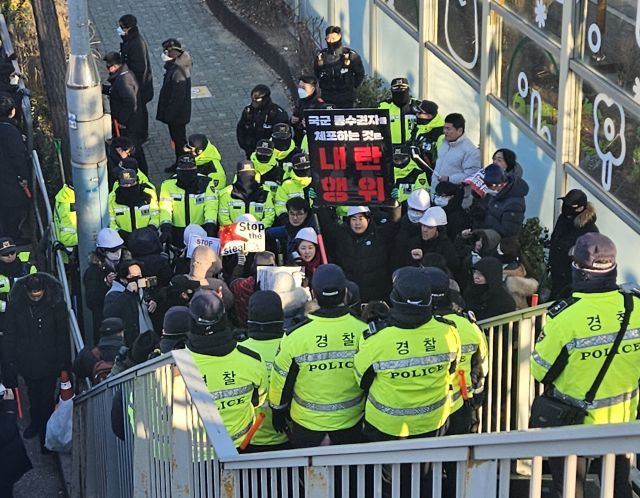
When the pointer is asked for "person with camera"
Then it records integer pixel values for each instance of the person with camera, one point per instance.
(131, 299)
(588, 357)
(339, 70)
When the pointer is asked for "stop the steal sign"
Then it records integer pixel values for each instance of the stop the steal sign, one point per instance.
(242, 237)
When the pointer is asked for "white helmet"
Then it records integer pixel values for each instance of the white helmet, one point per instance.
(357, 210)
(434, 217)
(308, 234)
(246, 217)
(193, 229)
(419, 200)
(108, 238)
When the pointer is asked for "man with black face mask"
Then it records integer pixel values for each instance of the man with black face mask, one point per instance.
(339, 70)
(428, 133)
(401, 110)
(297, 185)
(245, 195)
(187, 197)
(578, 217)
(266, 165)
(132, 205)
(258, 118)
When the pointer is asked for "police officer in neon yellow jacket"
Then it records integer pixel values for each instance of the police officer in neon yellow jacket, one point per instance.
(208, 159)
(406, 365)
(428, 133)
(467, 396)
(312, 378)
(187, 197)
(235, 376)
(266, 165)
(264, 331)
(13, 265)
(297, 185)
(129, 163)
(132, 205)
(65, 217)
(402, 116)
(407, 175)
(245, 195)
(577, 337)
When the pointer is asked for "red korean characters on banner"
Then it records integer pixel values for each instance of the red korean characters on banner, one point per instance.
(351, 156)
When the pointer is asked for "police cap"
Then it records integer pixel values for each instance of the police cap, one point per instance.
(329, 280)
(186, 162)
(301, 161)
(127, 178)
(411, 286)
(207, 311)
(594, 252)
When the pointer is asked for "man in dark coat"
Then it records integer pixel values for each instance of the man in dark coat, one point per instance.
(14, 461)
(14, 170)
(126, 114)
(339, 70)
(578, 217)
(111, 340)
(174, 102)
(135, 55)
(258, 118)
(36, 345)
(505, 202)
(486, 296)
(9, 85)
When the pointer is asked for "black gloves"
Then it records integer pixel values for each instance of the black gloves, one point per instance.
(166, 236)
(280, 418)
(211, 229)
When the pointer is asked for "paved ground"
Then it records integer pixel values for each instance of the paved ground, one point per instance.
(221, 62)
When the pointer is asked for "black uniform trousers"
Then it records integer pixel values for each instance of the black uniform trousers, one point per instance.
(41, 402)
(178, 133)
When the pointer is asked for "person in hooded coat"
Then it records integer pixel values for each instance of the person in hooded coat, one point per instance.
(508, 161)
(293, 298)
(578, 217)
(485, 295)
(505, 204)
(471, 246)
(36, 345)
(144, 244)
(519, 277)
(243, 287)
(174, 101)
(206, 269)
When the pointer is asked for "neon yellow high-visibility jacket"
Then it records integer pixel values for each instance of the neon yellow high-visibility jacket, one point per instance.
(408, 376)
(180, 208)
(578, 335)
(128, 218)
(65, 217)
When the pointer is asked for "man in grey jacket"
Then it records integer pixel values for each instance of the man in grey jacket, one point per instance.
(458, 157)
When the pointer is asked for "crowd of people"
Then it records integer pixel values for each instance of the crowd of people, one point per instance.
(374, 339)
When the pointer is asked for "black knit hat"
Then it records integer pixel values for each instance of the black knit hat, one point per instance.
(265, 306)
(112, 58)
(111, 326)
(439, 281)
(176, 321)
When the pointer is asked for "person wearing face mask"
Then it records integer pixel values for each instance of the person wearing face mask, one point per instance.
(174, 101)
(245, 196)
(266, 164)
(297, 185)
(284, 148)
(257, 119)
(409, 228)
(130, 302)
(577, 217)
(428, 133)
(458, 157)
(187, 197)
(449, 197)
(505, 204)
(208, 159)
(361, 247)
(486, 295)
(132, 205)
(401, 108)
(308, 98)
(9, 86)
(433, 238)
(407, 175)
(135, 54)
(101, 273)
(129, 163)
(124, 95)
(15, 171)
(36, 345)
(339, 70)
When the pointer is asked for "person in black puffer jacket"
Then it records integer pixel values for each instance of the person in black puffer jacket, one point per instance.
(577, 218)
(145, 246)
(486, 295)
(361, 248)
(449, 197)
(505, 204)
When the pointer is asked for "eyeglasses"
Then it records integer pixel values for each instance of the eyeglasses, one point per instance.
(297, 214)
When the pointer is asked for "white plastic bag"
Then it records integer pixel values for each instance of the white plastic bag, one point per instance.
(59, 427)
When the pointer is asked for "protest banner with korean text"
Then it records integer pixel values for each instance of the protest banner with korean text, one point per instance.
(351, 156)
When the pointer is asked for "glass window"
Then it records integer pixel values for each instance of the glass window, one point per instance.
(546, 15)
(409, 10)
(611, 43)
(459, 24)
(610, 147)
(530, 82)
